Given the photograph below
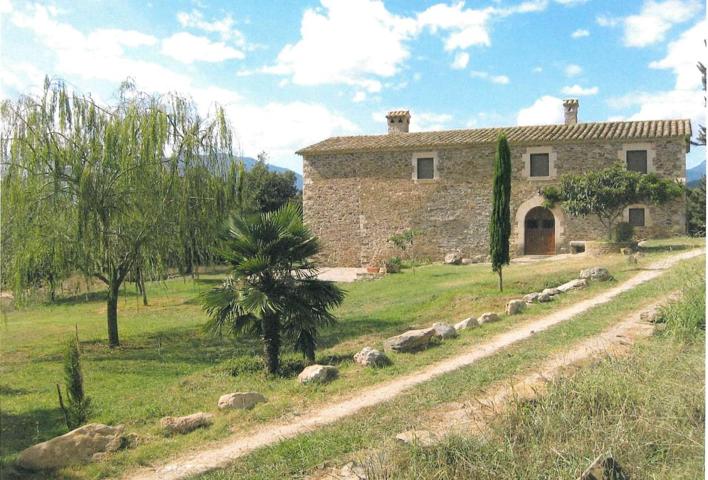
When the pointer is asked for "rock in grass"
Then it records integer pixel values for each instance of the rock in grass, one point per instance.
(421, 438)
(573, 284)
(240, 400)
(410, 341)
(370, 357)
(544, 298)
(604, 467)
(488, 317)
(470, 322)
(531, 297)
(187, 423)
(551, 291)
(318, 374)
(77, 446)
(600, 274)
(444, 331)
(515, 307)
(454, 258)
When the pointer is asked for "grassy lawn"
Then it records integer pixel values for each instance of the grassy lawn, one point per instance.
(167, 366)
(648, 410)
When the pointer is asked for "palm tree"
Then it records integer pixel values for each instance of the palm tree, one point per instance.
(273, 288)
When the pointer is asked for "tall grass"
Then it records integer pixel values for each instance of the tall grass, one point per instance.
(685, 319)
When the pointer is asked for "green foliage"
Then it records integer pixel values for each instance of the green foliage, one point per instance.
(685, 319)
(109, 190)
(78, 404)
(273, 288)
(404, 240)
(624, 232)
(393, 265)
(265, 190)
(696, 209)
(606, 193)
(500, 220)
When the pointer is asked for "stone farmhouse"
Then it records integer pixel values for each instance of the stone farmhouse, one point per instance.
(360, 190)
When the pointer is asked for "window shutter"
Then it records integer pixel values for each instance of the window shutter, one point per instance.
(539, 165)
(637, 161)
(426, 169)
(636, 217)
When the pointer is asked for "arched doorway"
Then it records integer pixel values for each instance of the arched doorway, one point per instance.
(539, 232)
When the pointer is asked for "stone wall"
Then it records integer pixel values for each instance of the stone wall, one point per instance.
(355, 201)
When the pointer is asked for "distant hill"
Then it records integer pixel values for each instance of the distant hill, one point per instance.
(250, 162)
(693, 175)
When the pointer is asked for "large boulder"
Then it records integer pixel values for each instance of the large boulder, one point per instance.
(409, 341)
(421, 438)
(77, 446)
(454, 258)
(318, 374)
(514, 307)
(595, 273)
(488, 317)
(370, 357)
(443, 331)
(531, 297)
(470, 322)
(240, 400)
(551, 291)
(573, 284)
(187, 423)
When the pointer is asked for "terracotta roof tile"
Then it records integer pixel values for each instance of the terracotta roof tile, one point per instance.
(635, 130)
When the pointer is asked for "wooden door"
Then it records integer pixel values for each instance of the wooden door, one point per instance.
(540, 232)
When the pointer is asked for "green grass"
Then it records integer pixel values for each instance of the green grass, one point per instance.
(167, 366)
(676, 412)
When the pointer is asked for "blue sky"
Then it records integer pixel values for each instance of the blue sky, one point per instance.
(293, 73)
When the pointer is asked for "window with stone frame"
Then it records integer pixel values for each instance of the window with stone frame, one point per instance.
(539, 165)
(637, 161)
(425, 168)
(636, 217)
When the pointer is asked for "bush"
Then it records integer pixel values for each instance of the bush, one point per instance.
(393, 265)
(685, 319)
(624, 232)
(78, 405)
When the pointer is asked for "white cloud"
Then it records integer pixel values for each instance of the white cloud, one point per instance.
(5, 6)
(580, 33)
(537, 69)
(461, 60)
(655, 19)
(187, 48)
(465, 27)
(569, 3)
(428, 121)
(20, 77)
(573, 70)
(608, 21)
(359, 97)
(580, 91)
(498, 79)
(682, 56)
(224, 27)
(545, 110)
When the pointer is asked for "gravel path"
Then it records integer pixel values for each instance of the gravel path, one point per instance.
(220, 455)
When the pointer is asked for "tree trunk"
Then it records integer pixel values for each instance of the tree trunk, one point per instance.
(112, 313)
(501, 286)
(271, 341)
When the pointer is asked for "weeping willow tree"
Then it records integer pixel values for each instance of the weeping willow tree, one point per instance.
(109, 191)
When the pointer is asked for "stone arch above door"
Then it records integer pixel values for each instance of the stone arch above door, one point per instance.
(521, 212)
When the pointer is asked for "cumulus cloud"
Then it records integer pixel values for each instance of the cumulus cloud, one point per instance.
(545, 110)
(464, 27)
(580, 91)
(429, 121)
(461, 60)
(223, 27)
(682, 56)
(572, 70)
(187, 48)
(580, 33)
(498, 79)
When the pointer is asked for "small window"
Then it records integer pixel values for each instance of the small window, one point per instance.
(426, 169)
(532, 223)
(636, 217)
(637, 161)
(539, 165)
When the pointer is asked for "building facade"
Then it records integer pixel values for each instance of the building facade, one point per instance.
(360, 190)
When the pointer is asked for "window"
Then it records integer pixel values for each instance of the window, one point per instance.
(636, 217)
(637, 161)
(539, 165)
(426, 168)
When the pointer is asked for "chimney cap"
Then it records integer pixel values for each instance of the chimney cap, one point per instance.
(571, 102)
(398, 113)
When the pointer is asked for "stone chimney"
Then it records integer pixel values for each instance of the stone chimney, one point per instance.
(398, 121)
(570, 107)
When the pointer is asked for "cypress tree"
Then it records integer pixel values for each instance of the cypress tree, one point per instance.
(77, 408)
(500, 221)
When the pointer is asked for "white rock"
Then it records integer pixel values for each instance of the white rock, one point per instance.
(409, 341)
(318, 374)
(241, 400)
(531, 297)
(421, 438)
(77, 446)
(544, 298)
(595, 273)
(444, 331)
(370, 357)
(573, 284)
(187, 423)
(514, 307)
(488, 317)
(453, 258)
(551, 291)
(467, 323)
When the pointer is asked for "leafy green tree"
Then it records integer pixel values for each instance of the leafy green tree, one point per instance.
(110, 190)
(606, 193)
(500, 220)
(266, 190)
(78, 404)
(273, 290)
(696, 209)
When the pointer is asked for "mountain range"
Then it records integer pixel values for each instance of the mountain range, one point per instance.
(249, 162)
(693, 175)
